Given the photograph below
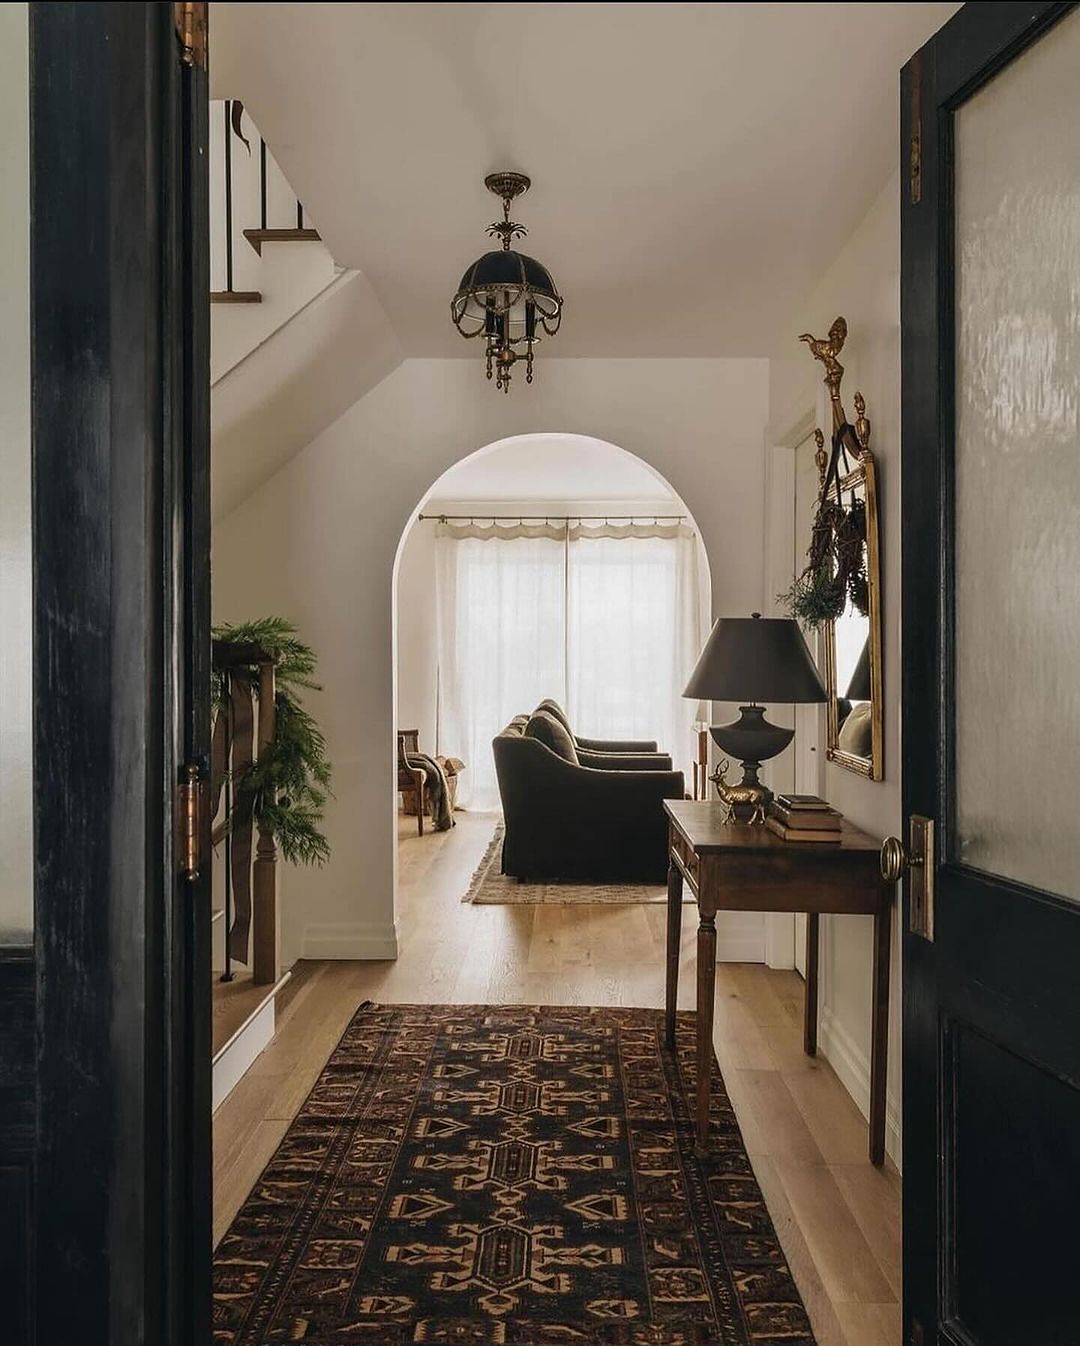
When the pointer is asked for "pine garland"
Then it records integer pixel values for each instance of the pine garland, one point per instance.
(290, 780)
(815, 597)
(836, 558)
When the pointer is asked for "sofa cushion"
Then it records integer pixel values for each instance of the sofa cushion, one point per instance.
(547, 729)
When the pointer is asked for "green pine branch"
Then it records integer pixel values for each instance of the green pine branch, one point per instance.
(290, 781)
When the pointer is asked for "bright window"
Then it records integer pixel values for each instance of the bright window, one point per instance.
(604, 619)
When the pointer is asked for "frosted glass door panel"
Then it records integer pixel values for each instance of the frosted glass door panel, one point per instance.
(1017, 543)
(16, 777)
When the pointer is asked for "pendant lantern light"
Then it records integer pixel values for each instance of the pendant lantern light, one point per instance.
(506, 298)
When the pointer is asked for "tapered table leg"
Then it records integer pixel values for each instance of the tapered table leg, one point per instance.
(706, 997)
(810, 1011)
(674, 938)
(879, 1048)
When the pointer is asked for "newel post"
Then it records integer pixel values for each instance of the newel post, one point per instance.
(266, 957)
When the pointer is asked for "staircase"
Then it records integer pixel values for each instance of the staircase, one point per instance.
(295, 339)
(266, 259)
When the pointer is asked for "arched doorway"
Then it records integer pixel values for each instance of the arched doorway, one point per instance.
(539, 488)
(320, 541)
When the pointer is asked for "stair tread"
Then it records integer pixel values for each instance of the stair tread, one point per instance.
(257, 237)
(236, 1002)
(235, 297)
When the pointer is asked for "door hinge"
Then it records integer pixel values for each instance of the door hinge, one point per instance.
(191, 29)
(189, 823)
(915, 149)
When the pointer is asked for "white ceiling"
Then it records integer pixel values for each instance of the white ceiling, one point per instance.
(571, 469)
(695, 166)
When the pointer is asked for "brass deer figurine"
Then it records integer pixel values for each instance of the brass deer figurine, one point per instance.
(753, 797)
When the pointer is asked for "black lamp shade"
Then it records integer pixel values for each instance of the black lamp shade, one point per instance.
(859, 686)
(509, 270)
(758, 659)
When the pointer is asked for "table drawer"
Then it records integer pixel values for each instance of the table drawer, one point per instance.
(685, 854)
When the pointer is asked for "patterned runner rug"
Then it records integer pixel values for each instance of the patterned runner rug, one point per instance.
(494, 888)
(506, 1176)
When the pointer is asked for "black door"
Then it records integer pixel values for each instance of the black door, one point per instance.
(990, 192)
(104, 1032)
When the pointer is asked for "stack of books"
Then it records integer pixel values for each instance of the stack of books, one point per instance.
(803, 818)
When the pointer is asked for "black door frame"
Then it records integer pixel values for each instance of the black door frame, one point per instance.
(967, 52)
(105, 1119)
(105, 1113)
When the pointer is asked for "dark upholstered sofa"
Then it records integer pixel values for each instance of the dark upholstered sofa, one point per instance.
(600, 822)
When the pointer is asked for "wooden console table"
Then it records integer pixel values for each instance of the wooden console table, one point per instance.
(744, 867)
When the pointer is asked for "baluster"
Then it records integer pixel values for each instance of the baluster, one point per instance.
(262, 183)
(266, 964)
(228, 198)
(226, 710)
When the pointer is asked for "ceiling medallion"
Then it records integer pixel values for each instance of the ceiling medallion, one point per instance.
(506, 297)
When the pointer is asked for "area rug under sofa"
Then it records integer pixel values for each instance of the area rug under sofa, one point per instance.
(489, 886)
(507, 1176)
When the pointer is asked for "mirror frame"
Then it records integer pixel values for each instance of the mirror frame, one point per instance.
(872, 767)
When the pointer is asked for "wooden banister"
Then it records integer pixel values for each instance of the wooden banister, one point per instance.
(263, 944)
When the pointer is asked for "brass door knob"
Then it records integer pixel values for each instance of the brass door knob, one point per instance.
(893, 860)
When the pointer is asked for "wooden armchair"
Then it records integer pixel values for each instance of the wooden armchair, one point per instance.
(411, 780)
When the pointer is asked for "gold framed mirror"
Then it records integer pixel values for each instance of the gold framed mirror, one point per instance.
(839, 591)
(852, 648)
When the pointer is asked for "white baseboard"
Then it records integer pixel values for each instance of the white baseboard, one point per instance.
(238, 1055)
(367, 940)
(852, 1069)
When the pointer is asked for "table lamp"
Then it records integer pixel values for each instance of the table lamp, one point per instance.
(750, 660)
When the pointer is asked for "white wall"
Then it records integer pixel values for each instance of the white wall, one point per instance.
(417, 637)
(862, 284)
(318, 542)
(16, 726)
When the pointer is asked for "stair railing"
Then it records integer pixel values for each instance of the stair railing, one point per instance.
(240, 206)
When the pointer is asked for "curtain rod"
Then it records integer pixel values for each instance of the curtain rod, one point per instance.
(551, 518)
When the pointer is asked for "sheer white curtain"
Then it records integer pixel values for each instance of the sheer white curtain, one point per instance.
(502, 624)
(633, 633)
(605, 619)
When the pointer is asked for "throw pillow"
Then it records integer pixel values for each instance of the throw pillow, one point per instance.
(856, 735)
(547, 730)
(554, 709)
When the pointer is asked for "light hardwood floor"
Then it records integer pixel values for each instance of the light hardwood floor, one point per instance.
(838, 1217)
